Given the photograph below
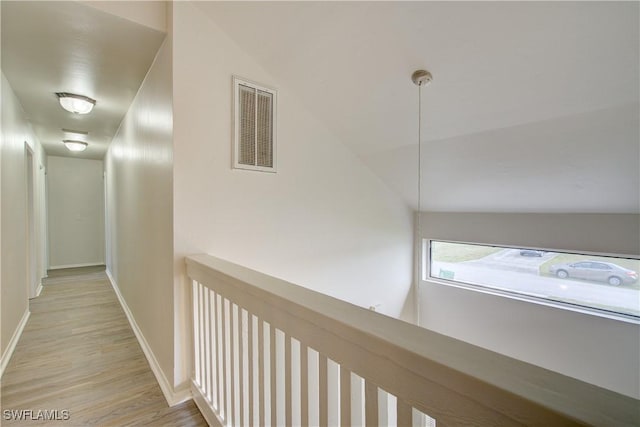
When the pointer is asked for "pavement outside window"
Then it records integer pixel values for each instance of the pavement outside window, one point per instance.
(603, 283)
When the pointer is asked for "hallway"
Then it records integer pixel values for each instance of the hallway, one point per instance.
(79, 354)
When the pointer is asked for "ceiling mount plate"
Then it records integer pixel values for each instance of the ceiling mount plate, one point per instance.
(421, 77)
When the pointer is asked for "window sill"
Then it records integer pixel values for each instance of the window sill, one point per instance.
(535, 300)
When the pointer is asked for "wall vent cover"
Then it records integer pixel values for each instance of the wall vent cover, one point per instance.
(254, 118)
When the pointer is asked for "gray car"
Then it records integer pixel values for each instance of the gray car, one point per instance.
(595, 270)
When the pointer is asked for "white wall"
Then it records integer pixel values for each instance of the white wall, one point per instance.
(324, 221)
(16, 131)
(140, 215)
(594, 349)
(76, 212)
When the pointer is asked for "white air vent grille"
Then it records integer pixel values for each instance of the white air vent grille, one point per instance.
(254, 126)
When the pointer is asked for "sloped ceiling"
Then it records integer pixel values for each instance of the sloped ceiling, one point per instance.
(534, 105)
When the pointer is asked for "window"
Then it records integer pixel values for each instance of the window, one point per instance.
(602, 283)
(254, 135)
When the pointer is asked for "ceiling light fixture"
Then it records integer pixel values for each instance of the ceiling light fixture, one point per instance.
(78, 104)
(420, 78)
(74, 145)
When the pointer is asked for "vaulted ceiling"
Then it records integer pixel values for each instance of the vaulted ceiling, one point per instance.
(534, 105)
(533, 108)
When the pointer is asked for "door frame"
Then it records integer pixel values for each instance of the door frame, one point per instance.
(31, 236)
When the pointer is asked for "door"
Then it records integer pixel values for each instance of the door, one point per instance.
(601, 272)
(32, 264)
(581, 270)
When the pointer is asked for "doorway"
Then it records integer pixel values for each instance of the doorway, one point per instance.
(32, 264)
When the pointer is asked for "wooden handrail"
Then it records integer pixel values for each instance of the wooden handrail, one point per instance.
(454, 382)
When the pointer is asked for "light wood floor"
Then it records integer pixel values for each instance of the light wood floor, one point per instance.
(78, 353)
(79, 274)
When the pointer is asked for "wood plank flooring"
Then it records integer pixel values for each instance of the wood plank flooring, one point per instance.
(67, 275)
(78, 353)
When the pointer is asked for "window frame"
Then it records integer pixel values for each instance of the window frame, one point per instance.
(427, 277)
(237, 81)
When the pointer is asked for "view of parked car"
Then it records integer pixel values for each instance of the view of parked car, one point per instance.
(597, 271)
(531, 252)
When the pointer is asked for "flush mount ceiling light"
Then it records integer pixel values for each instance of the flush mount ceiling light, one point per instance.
(74, 145)
(78, 104)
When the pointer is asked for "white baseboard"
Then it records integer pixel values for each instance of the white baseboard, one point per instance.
(14, 341)
(87, 264)
(204, 407)
(173, 397)
(39, 290)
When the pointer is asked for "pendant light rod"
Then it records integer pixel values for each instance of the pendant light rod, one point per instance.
(420, 78)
